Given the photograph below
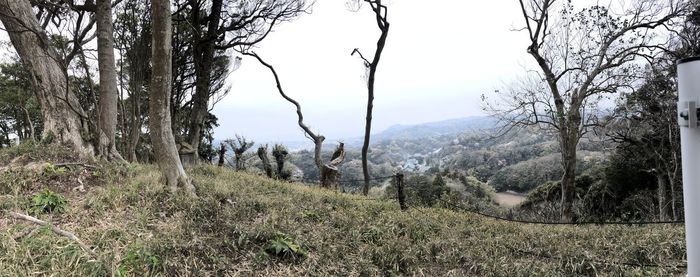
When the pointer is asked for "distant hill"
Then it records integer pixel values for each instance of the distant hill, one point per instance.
(439, 128)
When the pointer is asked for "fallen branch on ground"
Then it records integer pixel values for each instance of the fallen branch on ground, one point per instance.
(55, 229)
(80, 164)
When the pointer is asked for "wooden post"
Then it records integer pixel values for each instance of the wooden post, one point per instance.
(399, 191)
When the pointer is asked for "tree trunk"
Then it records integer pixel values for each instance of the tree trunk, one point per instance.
(30, 125)
(166, 154)
(384, 27)
(62, 114)
(135, 133)
(203, 61)
(568, 155)
(661, 195)
(222, 153)
(108, 82)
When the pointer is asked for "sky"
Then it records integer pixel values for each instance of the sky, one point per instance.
(440, 57)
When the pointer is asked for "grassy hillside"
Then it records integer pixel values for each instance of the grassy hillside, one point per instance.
(240, 221)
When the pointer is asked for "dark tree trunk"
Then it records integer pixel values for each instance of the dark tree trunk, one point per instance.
(166, 154)
(64, 119)
(108, 82)
(203, 64)
(222, 153)
(267, 167)
(380, 14)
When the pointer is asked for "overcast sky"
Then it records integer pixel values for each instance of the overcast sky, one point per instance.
(440, 56)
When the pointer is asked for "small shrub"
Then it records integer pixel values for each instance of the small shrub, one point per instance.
(283, 246)
(50, 169)
(47, 201)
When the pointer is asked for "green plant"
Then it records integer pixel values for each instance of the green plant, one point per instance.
(139, 260)
(50, 169)
(48, 201)
(284, 247)
(311, 215)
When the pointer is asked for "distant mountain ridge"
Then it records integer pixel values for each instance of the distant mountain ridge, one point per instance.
(438, 128)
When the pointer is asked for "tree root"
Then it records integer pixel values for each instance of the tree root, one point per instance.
(55, 229)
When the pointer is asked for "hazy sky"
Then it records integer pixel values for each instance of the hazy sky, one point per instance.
(440, 56)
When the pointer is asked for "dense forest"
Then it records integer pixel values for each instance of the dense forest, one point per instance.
(94, 92)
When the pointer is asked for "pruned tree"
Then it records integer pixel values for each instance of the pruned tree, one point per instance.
(330, 173)
(222, 154)
(583, 57)
(316, 138)
(239, 146)
(267, 167)
(280, 153)
(380, 13)
(164, 147)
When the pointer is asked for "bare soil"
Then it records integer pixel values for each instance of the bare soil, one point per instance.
(509, 199)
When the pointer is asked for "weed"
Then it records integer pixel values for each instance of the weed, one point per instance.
(47, 201)
(284, 247)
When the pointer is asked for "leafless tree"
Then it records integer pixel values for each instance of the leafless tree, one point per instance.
(583, 56)
(380, 13)
(323, 169)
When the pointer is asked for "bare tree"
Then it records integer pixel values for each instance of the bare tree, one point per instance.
(161, 133)
(380, 12)
(582, 57)
(316, 138)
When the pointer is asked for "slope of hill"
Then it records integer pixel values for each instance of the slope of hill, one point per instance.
(243, 224)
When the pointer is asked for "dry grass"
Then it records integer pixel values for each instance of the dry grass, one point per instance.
(138, 229)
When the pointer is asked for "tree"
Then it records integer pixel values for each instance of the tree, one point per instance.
(280, 153)
(160, 123)
(133, 39)
(64, 119)
(222, 154)
(108, 82)
(227, 24)
(18, 106)
(380, 12)
(582, 57)
(262, 154)
(239, 146)
(317, 139)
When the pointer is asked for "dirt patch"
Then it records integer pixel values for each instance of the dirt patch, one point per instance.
(509, 199)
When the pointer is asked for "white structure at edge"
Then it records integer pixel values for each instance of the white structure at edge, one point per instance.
(689, 96)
